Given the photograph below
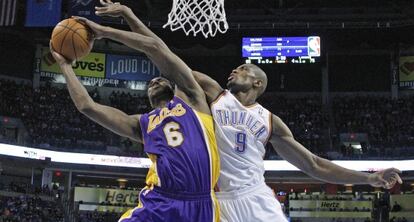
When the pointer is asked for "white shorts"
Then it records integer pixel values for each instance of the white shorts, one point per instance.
(253, 204)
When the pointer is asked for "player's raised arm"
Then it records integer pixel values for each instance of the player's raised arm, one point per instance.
(170, 65)
(109, 117)
(292, 151)
(116, 9)
(211, 88)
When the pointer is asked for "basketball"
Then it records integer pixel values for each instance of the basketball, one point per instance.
(72, 39)
(229, 110)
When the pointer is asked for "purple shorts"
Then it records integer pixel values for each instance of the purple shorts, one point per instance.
(158, 205)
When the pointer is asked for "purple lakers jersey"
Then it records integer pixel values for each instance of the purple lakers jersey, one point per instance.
(181, 144)
(185, 166)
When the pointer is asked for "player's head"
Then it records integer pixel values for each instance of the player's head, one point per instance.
(247, 77)
(160, 89)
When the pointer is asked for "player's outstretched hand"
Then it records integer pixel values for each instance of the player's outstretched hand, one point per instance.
(98, 30)
(385, 178)
(109, 8)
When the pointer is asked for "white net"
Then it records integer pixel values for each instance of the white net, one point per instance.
(194, 16)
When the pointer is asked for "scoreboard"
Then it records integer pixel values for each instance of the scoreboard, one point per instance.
(270, 50)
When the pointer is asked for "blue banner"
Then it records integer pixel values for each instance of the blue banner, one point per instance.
(43, 13)
(137, 68)
(84, 8)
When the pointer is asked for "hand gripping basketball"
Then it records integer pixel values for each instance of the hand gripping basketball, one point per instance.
(96, 29)
(72, 39)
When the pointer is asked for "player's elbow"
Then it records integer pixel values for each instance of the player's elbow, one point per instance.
(154, 46)
(86, 108)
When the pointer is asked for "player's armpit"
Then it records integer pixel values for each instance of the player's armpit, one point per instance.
(211, 87)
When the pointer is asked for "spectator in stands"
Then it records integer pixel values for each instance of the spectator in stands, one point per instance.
(356, 209)
(367, 219)
(396, 207)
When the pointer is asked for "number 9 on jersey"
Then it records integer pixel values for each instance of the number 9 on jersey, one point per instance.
(240, 142)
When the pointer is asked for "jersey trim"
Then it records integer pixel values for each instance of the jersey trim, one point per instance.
(270, 128)
(218, 97)
(128, 214)
(190, 105)
(247, 107)
(207, 125)
(152, 175)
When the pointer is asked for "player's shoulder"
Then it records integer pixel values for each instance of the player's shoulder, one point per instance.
(226, 94)
(180, 102)
(259, 107)
(221, 96)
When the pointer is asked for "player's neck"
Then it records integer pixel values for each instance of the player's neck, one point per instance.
(159, 103)
(246, 98)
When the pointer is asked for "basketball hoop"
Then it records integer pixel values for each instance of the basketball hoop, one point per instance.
(194, 16)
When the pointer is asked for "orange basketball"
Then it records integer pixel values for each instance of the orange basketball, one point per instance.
(72, 39)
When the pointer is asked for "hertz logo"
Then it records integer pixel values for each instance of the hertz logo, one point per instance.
(119, 197)
(330, 204)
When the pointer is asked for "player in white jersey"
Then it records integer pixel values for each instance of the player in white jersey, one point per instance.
(243, 128)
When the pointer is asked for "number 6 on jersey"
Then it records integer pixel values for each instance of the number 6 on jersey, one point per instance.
(172, 134)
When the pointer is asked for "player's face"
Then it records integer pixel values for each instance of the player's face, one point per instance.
(240, 79)
(159, 87)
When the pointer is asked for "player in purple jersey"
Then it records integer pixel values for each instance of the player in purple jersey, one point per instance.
(178, 134)
(245, 201)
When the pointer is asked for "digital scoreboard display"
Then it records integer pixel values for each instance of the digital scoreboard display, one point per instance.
(269, 50)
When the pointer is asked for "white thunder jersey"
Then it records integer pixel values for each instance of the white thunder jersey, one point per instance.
(241, 133)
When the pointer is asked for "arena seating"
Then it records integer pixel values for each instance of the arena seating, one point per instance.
(52, 121)
(95, 216)
(388, 123)
(29, 207)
